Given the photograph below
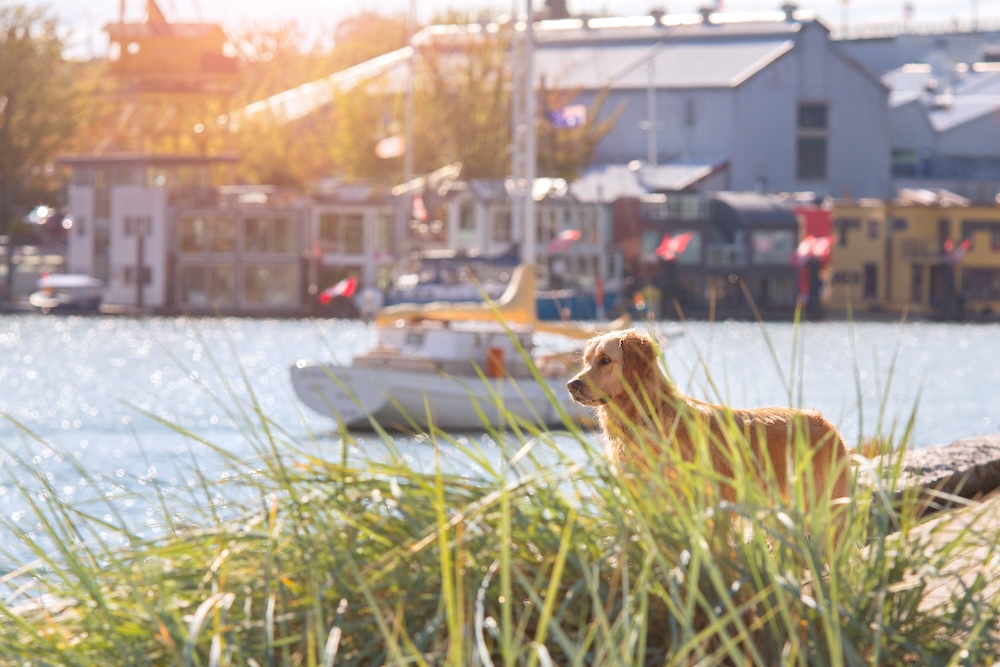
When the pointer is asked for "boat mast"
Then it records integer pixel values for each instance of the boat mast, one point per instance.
(524, 152)
(530, 228)
(411, 19)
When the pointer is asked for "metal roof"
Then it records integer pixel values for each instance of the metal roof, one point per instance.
(683, 64)
(687, 52)
(953, 97)
(608, 182)
(753, 209)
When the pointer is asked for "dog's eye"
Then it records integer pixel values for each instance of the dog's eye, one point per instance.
(604, 361)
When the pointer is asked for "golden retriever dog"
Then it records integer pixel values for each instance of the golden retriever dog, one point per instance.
(642, 414)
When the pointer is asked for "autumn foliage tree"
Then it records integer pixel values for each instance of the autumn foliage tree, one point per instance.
(326, 141)
(463, 108)
(36, 107)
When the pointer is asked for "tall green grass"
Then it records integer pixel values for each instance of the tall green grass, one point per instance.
(543, 559)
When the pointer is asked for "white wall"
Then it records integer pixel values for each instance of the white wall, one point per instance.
(754, 125)
(977, 138)
(137, 201)
(80, 241)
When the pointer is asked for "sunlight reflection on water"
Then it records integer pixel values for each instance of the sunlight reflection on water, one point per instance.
(113, 407)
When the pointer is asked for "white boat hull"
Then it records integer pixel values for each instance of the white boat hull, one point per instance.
(393, 399)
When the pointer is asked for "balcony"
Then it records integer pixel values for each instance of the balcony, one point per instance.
(725, 255)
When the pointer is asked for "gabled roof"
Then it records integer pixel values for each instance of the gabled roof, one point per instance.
(686, 51)
(952, 98)
(608, 182)
(711, 63)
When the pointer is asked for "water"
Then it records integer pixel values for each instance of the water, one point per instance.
(110, 406)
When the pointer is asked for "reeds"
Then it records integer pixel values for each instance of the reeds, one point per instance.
(544, 559)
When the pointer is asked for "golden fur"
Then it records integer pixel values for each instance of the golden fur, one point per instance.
(642, 413)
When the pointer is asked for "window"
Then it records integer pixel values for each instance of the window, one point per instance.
(212, 285)
(772, 247)
(342, 232)
(271, 284)
(870, 286)
(147, 275)
(503, 228)
(917, 284)
(811, 141)
(811, 158)
(992, 228)
(270, 235)
(842, 226)
(138, 225)
(207, 234)
(812, 116)
(872, 229)
(981, 284)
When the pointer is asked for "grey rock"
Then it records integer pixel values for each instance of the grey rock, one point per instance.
(936, 477)
(966, 468)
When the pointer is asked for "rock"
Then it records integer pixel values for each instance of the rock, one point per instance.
(967, 468)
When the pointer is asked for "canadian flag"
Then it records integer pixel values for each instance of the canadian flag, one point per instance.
(813, 247)
(345, 287)
(564, 239)
(671, 246)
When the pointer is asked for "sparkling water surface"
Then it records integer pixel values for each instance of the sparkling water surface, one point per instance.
(116, 406)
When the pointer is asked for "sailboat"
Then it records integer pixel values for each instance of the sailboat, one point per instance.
(459, 366)
(453, 366)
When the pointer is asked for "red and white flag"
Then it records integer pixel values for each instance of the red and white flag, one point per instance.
(671, 246)
(419, 209)
(564, 239)
(345, 287)
(390, 147)
(811, 247)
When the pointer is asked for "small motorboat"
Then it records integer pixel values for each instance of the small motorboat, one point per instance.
(67, 292)
(456, 366)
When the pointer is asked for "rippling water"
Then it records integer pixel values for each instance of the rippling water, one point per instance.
(107, 405)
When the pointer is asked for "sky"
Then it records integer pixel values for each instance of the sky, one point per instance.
(86, 18)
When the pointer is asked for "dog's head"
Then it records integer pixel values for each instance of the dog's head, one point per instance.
(615, 364)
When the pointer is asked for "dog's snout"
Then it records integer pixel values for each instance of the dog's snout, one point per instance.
(576, 384)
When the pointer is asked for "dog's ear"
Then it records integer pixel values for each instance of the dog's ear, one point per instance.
(638, 358)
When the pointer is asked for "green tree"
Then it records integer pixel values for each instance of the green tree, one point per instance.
(36, 106)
